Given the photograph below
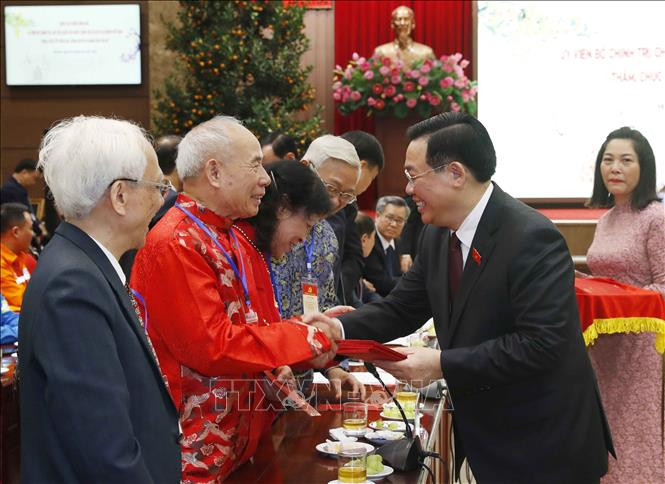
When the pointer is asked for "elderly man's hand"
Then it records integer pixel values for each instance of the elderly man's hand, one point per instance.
(283, 374)
(339, 378)
(332, 329)
(421, 367)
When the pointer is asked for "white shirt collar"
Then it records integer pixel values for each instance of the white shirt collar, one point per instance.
(384, 242)
(467, 230)
(114, 262)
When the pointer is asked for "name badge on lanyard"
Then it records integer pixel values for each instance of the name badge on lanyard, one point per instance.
(250, 314)
(310, 287)
(310, 295)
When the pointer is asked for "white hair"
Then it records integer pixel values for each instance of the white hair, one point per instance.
(81, 157)
(328, 146)
(204, 142)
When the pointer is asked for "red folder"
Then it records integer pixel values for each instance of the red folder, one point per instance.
(367, 350)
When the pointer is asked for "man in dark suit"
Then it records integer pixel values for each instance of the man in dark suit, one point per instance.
(497, 278)
(349, 266)
(94, 406)
(15, 190)
(382, 266)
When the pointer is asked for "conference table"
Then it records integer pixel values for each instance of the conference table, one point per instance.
(287, 454)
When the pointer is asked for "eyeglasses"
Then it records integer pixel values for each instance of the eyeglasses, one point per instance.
(412, 178)
(345, 197)
(163, 187)
(394, 220)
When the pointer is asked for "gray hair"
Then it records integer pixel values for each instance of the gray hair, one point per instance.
(82, 156)
(204, 142)
(383, 202)
(327, 146)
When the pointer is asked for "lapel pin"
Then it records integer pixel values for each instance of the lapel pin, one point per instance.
(476, 256)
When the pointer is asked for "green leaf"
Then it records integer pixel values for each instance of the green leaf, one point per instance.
(400, 110)
(424, 109)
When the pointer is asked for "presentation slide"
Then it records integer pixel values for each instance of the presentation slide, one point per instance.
(555, 78)
(73, 45)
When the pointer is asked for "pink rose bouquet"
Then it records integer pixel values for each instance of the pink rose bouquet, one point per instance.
(428, 86)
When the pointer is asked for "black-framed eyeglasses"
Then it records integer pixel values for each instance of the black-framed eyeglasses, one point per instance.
(345, 197)
(163, 187)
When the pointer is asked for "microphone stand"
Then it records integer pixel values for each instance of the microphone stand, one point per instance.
(403, 454)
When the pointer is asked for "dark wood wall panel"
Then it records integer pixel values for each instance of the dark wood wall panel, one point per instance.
(26, 111)
(29, 117)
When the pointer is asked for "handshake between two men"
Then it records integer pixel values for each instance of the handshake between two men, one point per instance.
(421, 367)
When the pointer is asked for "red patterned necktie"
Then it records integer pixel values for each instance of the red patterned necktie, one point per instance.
(454, 266)
(135, 305)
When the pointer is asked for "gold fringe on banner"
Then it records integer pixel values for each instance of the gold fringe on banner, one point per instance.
(627, 325)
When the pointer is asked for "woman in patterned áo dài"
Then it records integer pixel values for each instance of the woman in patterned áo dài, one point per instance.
(629, 246)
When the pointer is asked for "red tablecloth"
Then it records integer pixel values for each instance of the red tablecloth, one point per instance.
(607, 306)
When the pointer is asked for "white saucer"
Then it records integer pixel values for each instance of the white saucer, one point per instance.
(399, 425)
(388, 417)
(340, 482)
(323, 448)
(356, 433)
(387, 470)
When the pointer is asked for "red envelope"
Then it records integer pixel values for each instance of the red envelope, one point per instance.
(367, 350)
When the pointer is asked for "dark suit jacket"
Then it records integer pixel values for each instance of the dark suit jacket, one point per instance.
(13, 192)
(349, 267)
(376, 267)
(94, 407)
(526, 402)
(412, 230)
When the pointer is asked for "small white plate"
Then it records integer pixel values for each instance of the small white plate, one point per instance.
(325, 449)
(397, 426)
(357, 433)
(388, 417)
(340, 482)
(387, 470)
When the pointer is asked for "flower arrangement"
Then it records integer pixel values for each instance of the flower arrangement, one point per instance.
(381, 85)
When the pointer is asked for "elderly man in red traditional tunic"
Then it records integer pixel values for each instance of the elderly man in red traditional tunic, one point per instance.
(211, 330)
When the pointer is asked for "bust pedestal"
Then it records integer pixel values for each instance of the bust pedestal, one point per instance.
(391, 133)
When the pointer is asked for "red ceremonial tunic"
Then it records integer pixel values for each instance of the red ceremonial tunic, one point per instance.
(212, 358)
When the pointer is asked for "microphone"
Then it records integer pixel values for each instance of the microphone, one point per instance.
(403, 454)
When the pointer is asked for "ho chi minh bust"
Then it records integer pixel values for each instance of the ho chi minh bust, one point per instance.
(403, 47)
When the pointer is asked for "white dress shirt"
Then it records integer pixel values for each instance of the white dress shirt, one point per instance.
(114, 262)
(384, 242)
(467, 230)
